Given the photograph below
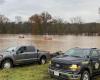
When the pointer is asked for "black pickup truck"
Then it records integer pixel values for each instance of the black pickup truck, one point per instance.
(76, 64)
(22, 55)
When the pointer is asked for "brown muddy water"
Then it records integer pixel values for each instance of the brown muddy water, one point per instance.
(58, 42)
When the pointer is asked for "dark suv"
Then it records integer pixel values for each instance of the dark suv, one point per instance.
(76, 64)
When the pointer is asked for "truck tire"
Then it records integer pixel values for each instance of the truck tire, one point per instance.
(43, 60)
(7, 64)
(85, 75)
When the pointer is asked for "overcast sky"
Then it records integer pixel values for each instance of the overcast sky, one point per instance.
(65, 9)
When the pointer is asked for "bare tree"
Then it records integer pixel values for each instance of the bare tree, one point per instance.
(35, 19)
(77, 20)
(3, 19)
(46, 17)
(18, 19)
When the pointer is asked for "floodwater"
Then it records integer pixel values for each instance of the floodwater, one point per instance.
(58, 42)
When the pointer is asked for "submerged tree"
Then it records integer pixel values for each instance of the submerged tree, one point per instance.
(40, 22)
(46, 19)
(36, 21)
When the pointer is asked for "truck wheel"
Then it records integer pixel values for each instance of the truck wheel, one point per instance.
(85, 75)
(43, 60)
(6, 64)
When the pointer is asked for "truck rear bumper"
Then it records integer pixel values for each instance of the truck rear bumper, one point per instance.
(64, 75)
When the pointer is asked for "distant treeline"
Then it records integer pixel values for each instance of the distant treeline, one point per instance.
(43, 23)
(55, 29)
(15, 28)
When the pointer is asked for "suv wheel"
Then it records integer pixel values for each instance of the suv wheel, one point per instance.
(6, 64)
(43, 60)
(85, 75)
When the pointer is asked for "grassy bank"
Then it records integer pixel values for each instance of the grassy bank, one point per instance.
(30, 72)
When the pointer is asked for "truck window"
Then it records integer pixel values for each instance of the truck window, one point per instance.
(94, 53)
(85, 52)
(22, 49)
(99, 53)
(31, 49)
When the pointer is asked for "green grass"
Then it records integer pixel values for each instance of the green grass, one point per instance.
(29, 72)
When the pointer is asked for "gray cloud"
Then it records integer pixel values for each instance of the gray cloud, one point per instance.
(87, 9)
(2, 1)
